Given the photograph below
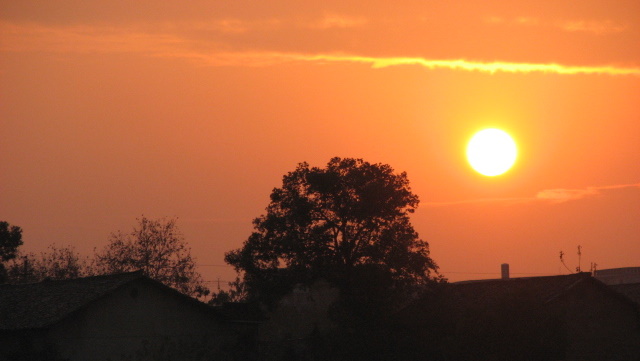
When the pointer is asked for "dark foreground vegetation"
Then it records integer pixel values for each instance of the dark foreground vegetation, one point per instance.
(334, 270)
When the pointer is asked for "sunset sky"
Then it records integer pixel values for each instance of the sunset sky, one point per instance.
(110, 110)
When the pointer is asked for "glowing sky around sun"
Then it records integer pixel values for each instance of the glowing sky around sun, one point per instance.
(114, 109)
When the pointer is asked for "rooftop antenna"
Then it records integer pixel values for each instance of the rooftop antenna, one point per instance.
(578, 269)
(564, 264)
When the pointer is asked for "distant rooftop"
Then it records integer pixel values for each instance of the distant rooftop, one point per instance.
(616, 276)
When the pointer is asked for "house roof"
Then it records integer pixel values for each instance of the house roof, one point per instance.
(240, 312)
(537, 290)
(630, 290)
(543, 289)
(38, 305)
(483, 299)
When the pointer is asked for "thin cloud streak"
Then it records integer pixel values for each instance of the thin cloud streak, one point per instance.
(597, 27)
(487, 67)
(508, 201)
(338, 21)
(84, 39)
(275, 58)
(552, 196)
(561, 195)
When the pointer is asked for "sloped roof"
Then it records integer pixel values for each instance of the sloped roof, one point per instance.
(484, 299)
(515, 319)
(241, 312)
(543, 289)
(38, 305)
(630, 290)
(530, 291)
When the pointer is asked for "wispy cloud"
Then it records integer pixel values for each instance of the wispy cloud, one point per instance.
(467, 65)
(560, 195)
(597, 27)
(74, 39)
(563, 195)
(506, 201)
(527, 20)
(84, 39)
(520, 20)
(338, 21)
(233, 25)
(272, 58)
(552, 196)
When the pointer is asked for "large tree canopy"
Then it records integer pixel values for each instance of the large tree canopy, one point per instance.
(326, 222)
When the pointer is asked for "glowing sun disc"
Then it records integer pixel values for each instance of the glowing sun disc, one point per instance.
(491, 152)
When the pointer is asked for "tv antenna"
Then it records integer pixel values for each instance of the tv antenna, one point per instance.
(579, 268)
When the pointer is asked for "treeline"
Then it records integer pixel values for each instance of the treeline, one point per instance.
(154, 246)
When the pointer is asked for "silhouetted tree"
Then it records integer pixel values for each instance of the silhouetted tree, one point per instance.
(57, 263)
(235, 293)
(327, 222)
(10, 240)
(158, 248)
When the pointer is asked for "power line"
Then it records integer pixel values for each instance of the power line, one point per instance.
(497, 273)
(463, 272)
(456, 272)
(214, 265)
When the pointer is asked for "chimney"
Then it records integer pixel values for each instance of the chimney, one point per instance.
(505, 271)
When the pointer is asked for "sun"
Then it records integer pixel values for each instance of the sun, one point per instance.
(491, 152)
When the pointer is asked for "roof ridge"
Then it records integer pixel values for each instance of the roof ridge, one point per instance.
(580, 275)
(566, 289)
(35, 305)
(49, 281)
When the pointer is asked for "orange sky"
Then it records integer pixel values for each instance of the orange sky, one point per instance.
(114, 109)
